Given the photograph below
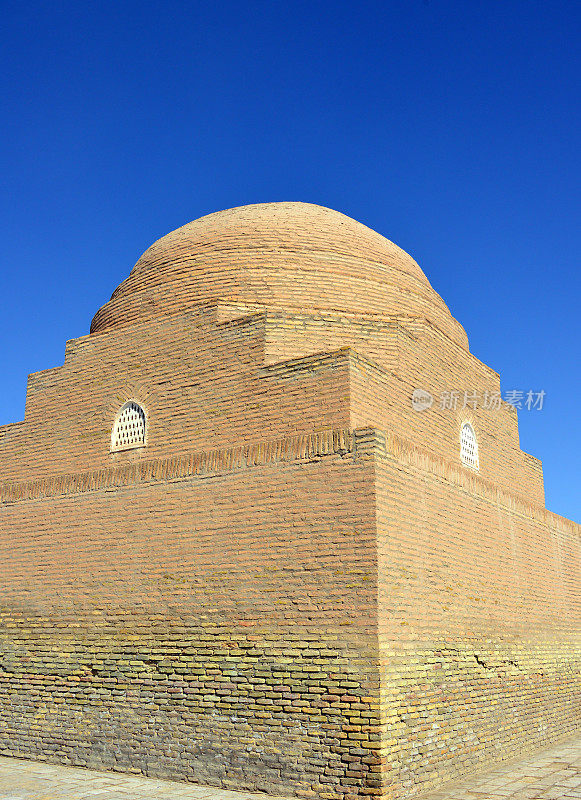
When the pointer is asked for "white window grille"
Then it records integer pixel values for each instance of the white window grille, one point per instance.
(129, 428)
(468, 446)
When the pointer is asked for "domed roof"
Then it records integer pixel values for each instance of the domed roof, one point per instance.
(294, 256)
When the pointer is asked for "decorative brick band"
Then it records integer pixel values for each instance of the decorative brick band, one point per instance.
(360, 442)
(370, 439)
(291, 448)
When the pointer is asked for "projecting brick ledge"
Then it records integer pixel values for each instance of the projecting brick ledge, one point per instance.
(340, 441)
(291, 448)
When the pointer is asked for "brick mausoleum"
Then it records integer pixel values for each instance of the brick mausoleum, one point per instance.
(233, 553)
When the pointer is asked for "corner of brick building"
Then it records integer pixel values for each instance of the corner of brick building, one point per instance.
(296, 586)
(223, 581)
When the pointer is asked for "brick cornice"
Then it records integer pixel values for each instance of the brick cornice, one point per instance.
(361, 442)
(290, 448)
(395, 447)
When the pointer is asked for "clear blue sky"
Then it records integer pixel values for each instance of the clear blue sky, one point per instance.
(450, 127)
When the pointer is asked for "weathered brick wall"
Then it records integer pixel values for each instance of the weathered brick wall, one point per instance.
(201, 385)
(382, 398)
(279, 710)
(205, 384)
(264, 597)
(479, 620)
(289, 336)
(218, 627)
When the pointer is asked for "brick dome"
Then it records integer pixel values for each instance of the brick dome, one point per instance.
(277, 255)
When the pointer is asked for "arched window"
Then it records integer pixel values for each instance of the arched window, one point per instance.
(129, 428)
(468, 446)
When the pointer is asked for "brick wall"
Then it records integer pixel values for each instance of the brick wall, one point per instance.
(272, 594)
(219, 628)
(202, 385)
(205, 383)
(479, 621)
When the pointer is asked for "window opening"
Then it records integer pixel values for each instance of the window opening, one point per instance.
(468, 446)
(129, 428)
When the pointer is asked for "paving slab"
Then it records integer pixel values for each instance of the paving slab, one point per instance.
(554, 774)
(21, 779)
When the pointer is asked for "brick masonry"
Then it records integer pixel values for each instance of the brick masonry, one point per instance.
(295, 586)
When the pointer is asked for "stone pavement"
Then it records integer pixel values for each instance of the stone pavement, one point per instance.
(553, 774)
(35, 780)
